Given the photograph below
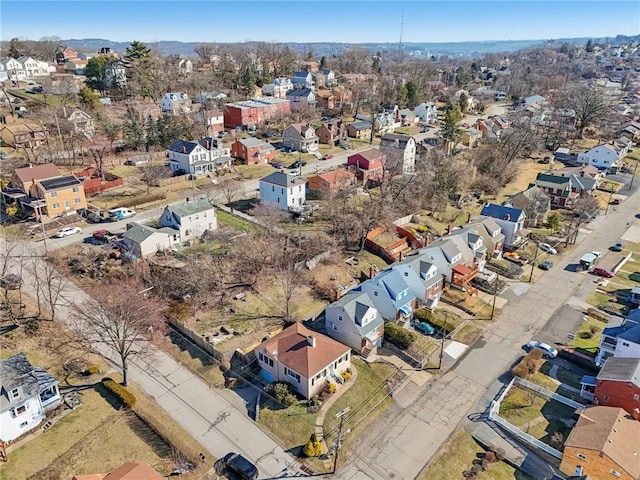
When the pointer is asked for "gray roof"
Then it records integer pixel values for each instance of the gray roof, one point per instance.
(361, 125)
(282, 179)
(356, 303)
(17, 372)
(621, 369)
(185, 209)
(182, 146)
(139, 233)
(56, 183)
(299, 92)
(252, 142)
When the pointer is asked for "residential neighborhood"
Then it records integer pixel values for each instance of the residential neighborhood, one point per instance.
(264, 259)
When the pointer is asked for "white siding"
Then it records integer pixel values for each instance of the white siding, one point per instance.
(12, 425)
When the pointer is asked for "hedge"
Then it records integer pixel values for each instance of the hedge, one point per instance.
(142, 199)
(424, 315)
(127, 398)
(399, 336)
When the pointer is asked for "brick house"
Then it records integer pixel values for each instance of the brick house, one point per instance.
(331, 133)
(254, 112)
(360, 129)
(563, 189)
(253, 151)
(603, 444)
(325, 99)
(329, 182)
(368, 165)
(618, 384)
(304, 358)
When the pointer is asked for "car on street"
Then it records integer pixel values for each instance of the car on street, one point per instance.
(547, 350)
(597, 254)
(603, 272)
(297, 164)
(423, 327)
(121, 213)
(277, 165)
(328, 156)
(239, 466)
(65, 232)
(545, 247)
(94, 218)
(546, 265)
(617, 247)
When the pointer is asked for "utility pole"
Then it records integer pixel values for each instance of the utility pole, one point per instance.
(611, 196)
(533, 262)
(444, 336)
(634, 175)
(44, 232)
(340, 415)
(495, 294)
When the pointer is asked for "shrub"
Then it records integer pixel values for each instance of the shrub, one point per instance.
(528, 365)
(490, 457)
(345, 375)
(331, 387)
(422, 228)
(127, 398)
(484, 464)
(398, 336)
(282, 393)
(500, 453)
(93, 370)
(476, 469)
(142, 199)
(313, 448)
(593, 329)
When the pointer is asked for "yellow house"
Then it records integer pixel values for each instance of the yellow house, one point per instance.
(61, 195)
(26, 134)
(470, 137)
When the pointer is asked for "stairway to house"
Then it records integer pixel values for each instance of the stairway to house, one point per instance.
(470, 289)
(366, 351)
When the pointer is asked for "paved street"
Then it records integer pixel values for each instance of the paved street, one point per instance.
(413, 436)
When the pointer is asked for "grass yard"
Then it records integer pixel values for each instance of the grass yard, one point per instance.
(587, 337)
(565, 376)
(468, 334)
(535, 415)
(124, 171)
(236, 223)
(193, 358)
(51, 100)
(601, 299)
(291, 426)
(526, 174)
(457, 455)
(254, 171)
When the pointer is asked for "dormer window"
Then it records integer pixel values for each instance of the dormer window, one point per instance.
(15, 393)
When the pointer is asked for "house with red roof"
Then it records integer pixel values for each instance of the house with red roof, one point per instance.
(368, 166)
(329, 182)
(304, 358)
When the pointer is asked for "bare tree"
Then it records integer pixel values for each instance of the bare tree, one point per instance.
(588, 103)
(229, 190)
(50, 285)
(121, 319)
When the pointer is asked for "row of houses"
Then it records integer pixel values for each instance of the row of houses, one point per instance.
(23, 68)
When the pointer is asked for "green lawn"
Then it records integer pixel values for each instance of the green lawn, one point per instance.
(52, 100)
(254, 171)
(291, 426)
(236, 223)
(565, 376)
(588, 335)
(457, 455)
(124, 171)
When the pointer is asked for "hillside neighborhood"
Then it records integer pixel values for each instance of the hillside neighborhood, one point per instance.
(255, 263)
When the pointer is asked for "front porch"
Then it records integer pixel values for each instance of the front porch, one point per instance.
(461, 276)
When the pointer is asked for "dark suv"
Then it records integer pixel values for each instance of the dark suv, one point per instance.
(239, 466)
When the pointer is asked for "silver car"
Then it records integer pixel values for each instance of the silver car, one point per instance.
(545, 247)
(547, 350)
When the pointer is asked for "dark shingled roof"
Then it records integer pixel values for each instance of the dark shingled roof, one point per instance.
(59, 182)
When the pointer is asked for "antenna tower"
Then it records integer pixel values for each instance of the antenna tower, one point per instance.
(401, 28)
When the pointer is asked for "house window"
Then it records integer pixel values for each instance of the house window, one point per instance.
(375, 294)
(24, 424)
(66, 204)
(406, 274)
(261, 357)
(581, 456)
(273, 189)
(53, 194)
(324, 372)
(615, 473)
(605, 399)
(76, 200)
(636, 397)
(75, 189)
(292, 374)
(269, 361)
(55, 205)
(334, 327)
(15, 393)
(625, 344)
(19, 410)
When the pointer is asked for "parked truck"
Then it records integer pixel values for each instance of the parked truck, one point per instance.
(588, 260)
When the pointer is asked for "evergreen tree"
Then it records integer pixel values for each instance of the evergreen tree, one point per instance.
(413, 96)
(15, 48)
(589, 46)
(136, 51)
(463, 101)
(323, 63)
(450, 130)
(94, 72)
(89, 99)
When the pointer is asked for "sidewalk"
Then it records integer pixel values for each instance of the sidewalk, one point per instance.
(328, 463)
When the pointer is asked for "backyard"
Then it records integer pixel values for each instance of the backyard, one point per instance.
(587, 337)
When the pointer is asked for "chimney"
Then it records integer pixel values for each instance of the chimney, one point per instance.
(636, 414)
(184, 149)
(469, 217)
(507, 217)
(372, 271)
(206, 143)
(337, 293)
(311, 340)
(448, 229)
(188, 199)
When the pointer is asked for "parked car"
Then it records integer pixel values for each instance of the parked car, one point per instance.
(547, 350)
(423, 327)
(120, 214)
(94, 218)
(104, 235)
(603, 272)
(328, 156)
(617, 247)
(597, 254)
(11, 281)
(65, 232)
(298, 164)
(546, 265)
(277, 165)
(240, 466)
(615, 201)
(545, 247)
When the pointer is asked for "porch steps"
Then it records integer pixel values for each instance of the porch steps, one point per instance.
(366, 351)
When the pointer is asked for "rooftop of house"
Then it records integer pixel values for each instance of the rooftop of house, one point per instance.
(283, 179)
(293, 348)
(621, 369)
(581, 171)
(58, 183)
(253, 142)
(389, 138)
(370, 154)
(299, 92)
(361, 125)
(336, 176)
(25, 127)
(126, 471)
(37, 172)
(613, 432)
(138, 233)
(502, 212)
(356, 304)
(17, 372)
(182, 146)
(190, 207)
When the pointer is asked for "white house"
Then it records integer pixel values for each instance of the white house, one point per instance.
(300, 137)
(15, 69)
(301, 98)
(391, 295)
(175, 103)
(278, 88)
(197, 158)
(620, 339)
(205, 97)
(26, 394)
(605, 156)
(400, 150)
(303, 79)
(426, 112)
(304, 358)
(283, 191)
(511, 222)
(115, 74)
(142, 240)
(82, 123)
(325, 78)
(34, 68)
(191, 218)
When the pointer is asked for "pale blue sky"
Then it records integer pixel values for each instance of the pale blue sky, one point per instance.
(315, 21)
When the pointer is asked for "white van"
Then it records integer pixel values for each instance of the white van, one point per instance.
(120, 214)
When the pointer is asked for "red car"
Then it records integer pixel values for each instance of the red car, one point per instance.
(603, 272)
(328, 156)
